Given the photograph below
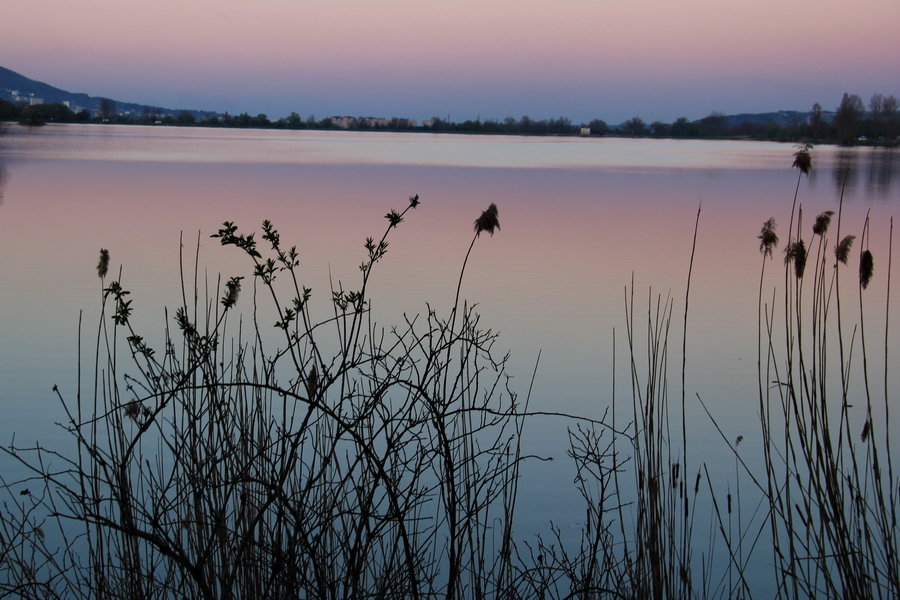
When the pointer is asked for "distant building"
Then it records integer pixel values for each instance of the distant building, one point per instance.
(29, 99)
(375, 122)
(343, 122)
(403, 123)
(73, 107)
(346, 122)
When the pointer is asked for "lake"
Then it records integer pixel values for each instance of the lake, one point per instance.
(581, 218)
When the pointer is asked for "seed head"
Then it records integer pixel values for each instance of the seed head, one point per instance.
(866, 268)
(103, 264)
(768, 239)
(842, 251)
(796, 252)
(802, 158)
(488, 221)
(822, 222)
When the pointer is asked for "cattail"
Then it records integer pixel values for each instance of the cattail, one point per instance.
(866, 429)
(803, 159)
(767, 237)
(842, 251)
(822, 222)
(488, 220)
(103, 264)
(796, 252)
(866, 267)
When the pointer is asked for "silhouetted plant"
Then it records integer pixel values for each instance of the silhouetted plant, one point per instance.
(842, 250)
(225, 467)
(830, 506)
(103, 263)
(866, 268)
(822, 222)
(796, 254)
(768, 239)
(803, 158)
(487, 221)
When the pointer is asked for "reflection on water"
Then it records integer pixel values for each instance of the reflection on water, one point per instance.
(882, 164)
(124, 144)
(871, 170)
(845, 171)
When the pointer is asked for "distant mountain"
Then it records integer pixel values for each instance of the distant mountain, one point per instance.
(17, 88)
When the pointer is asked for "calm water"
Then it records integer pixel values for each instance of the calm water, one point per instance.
(579, 218)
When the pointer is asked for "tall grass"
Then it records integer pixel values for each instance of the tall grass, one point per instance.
(341, 461)
(829, 481)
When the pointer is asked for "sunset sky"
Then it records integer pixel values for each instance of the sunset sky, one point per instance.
(583, 59)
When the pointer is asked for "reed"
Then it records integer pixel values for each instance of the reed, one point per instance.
(830, 506)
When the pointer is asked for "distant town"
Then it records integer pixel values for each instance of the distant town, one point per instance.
(852, 122)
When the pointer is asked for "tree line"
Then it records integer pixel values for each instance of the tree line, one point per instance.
(851, 123)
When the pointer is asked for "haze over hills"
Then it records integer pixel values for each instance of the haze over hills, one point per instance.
(19, 88)
(16, 87)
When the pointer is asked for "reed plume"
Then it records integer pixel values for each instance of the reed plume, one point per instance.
(803, 158)
(796, 252)
(866, 268)
(488, 220)
(103, 264)
(768, 239)
(842, 251)
(822, 222)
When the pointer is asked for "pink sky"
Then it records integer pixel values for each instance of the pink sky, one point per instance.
(584, 59)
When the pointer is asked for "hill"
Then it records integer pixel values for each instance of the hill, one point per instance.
(18, 88)
(21, 89)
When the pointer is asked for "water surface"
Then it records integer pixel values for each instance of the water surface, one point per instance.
(580, 220)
